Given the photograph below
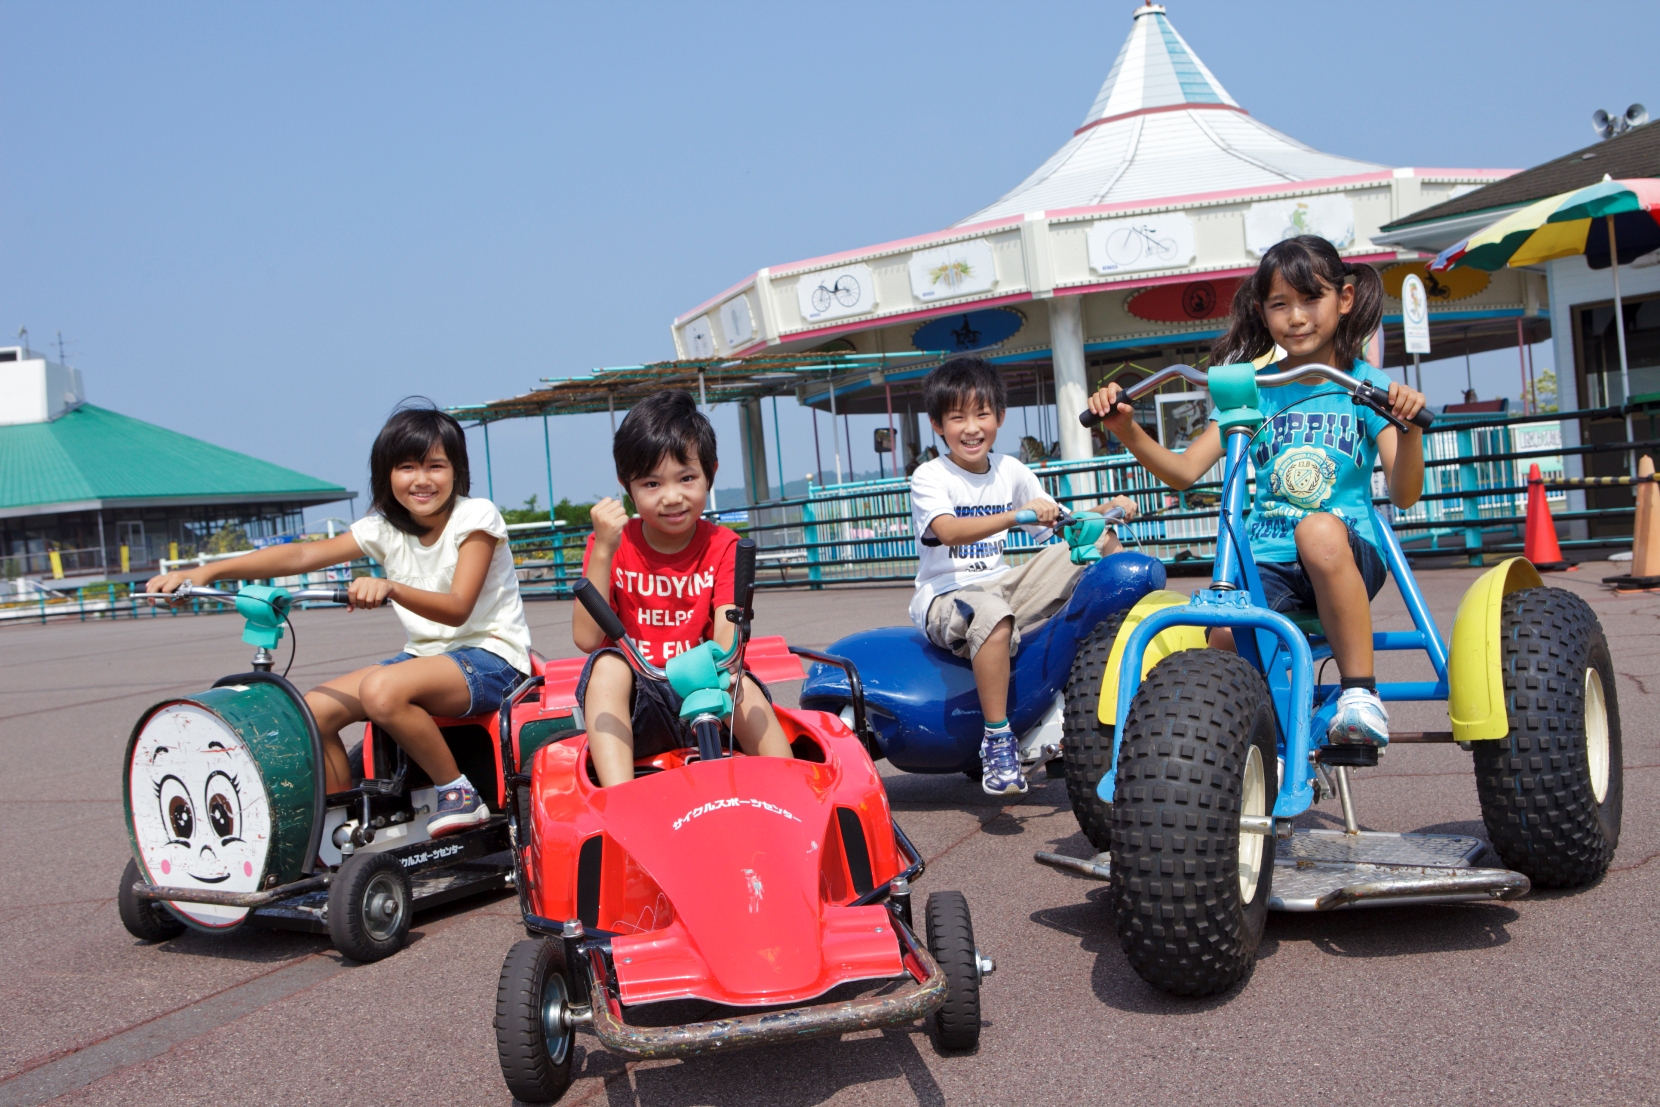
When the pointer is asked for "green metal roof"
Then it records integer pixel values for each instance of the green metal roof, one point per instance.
(93, 454)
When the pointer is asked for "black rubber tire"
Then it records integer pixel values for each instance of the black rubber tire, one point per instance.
(533, 1072)
(356, 899)
(1086, 745)
(145, 919)
(1183, 920)
(1537, 795)
(951, 941)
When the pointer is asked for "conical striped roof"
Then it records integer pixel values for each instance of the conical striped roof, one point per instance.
(1163, 125)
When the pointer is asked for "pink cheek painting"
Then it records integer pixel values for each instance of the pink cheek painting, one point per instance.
(247, 868)
(166, 867)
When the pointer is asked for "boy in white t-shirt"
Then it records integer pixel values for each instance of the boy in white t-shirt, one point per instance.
(962, 505)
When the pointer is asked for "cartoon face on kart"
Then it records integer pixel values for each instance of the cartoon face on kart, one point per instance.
(200, 817)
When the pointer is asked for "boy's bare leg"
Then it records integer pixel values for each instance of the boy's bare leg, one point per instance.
(401, 700)
(610, 720)
(335, 705)
(1339, 591)
(755, 725)
(1221, 638)
(991, 672)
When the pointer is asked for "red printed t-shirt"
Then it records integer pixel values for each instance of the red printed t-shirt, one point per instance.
(667, 602)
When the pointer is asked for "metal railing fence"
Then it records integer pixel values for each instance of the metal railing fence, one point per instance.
(1474, 502)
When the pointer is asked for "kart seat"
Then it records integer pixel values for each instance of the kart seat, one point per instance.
(1308, 622)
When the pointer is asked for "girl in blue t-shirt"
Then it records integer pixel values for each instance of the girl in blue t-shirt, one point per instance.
(1310, 528)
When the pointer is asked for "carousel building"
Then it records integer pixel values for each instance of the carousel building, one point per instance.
(1119, 253)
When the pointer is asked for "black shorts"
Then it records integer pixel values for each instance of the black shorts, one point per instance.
(653, 707)
(1286, 587)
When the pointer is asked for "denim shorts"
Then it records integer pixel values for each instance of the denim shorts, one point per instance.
(1286, 587)
(489, 676)
(654, 709)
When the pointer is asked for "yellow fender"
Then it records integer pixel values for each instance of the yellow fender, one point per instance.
(1165, 643)
(1475, 671)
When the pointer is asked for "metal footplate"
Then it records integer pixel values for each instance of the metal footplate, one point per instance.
(1326, 870)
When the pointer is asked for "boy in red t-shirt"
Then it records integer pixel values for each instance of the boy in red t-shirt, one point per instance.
(668, 575)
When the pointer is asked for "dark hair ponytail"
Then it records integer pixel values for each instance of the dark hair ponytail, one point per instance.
(1311, 265)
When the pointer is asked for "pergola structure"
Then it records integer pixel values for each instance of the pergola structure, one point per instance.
(1124, 246)
(717, 380)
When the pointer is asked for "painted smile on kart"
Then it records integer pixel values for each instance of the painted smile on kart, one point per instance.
(207, 823)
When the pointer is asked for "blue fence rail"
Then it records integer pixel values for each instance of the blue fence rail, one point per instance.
(1474, 503)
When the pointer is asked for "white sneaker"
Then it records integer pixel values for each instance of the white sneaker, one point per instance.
(1360, 720)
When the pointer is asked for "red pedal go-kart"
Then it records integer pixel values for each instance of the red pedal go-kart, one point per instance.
(756, 883)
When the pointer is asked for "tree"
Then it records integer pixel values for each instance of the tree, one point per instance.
(229, 538)
(1541, 395)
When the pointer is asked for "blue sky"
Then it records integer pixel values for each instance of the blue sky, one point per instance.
(265, 224)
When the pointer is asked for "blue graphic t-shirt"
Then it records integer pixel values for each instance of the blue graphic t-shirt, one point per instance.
(1315, 453)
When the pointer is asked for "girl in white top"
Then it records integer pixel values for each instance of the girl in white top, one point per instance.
(449, 575)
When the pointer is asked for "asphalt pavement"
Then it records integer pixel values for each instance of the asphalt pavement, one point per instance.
(1552, 999)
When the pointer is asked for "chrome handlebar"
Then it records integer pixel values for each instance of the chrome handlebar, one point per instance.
(194, 592)
(1363, 392)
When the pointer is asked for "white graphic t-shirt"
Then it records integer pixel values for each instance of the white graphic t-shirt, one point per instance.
(497, 623)
(942, 487)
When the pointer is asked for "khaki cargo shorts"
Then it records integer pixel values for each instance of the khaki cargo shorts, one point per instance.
(1029, 593)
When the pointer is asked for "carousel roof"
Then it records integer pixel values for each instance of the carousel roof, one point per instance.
(1161, 122)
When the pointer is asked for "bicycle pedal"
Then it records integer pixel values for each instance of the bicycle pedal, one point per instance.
(1353, 756)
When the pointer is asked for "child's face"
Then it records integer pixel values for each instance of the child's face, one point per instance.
(671, 498)
(1305, 325)
(424, 487)
(970, 431)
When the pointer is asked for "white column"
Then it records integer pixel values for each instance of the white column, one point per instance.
(1066, 339)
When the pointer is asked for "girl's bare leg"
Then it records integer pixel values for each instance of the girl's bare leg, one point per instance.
(401, 699)
(1339, 591)
(336, 705)
(610, 720)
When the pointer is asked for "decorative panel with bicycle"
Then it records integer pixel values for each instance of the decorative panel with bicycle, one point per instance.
(1161, 241)
(835, 293)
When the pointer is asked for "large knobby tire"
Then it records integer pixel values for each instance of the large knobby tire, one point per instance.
(370, 907)
(145, 919)
(1086, 745)
(534, 1036)
(1551, 790)
(1190, 892)
(951, 941)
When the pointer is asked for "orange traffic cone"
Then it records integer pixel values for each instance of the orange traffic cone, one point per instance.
(1645, 534)
(1539, 545)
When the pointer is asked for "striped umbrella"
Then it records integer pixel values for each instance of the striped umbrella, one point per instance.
(1610, 223)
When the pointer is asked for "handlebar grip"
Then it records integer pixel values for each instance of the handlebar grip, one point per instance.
(743, 575)
(1424, 419)
(1089, 418)
(598, 610)
(340, 596)
(1025, 518)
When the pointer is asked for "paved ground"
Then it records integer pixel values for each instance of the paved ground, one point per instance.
(1552, 999)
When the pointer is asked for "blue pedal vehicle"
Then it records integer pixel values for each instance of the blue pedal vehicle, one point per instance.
(917, 706)
(1210, 755)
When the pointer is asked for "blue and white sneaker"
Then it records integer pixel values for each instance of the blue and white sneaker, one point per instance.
(1360, 720)
(459, 808)
(1000, 765)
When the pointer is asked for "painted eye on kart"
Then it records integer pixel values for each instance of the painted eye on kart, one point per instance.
(224, 807)
(176, 810)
